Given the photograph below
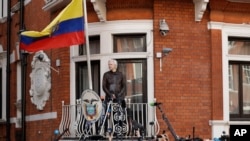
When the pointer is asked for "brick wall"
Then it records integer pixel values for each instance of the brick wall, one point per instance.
(43, 129)
(184, 85)
(189, 85)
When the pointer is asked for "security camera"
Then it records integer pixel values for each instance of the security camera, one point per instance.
(166, 50)
(163, 32)
(164, 29)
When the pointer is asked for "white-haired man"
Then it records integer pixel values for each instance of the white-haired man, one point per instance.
(113, 83)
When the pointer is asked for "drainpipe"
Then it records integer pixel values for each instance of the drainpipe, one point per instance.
(23, 56)
(23, 89)
(8, 73)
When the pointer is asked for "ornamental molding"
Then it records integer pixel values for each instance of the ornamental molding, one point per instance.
(200, 8)
(40, 80)
(100, 9)
(240, 1)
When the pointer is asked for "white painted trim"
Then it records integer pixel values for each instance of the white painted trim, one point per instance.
(222, 25)
(3, 63)
(44, 116)
(73, 50)
(106, 30)
(18, 94)
(236, 30)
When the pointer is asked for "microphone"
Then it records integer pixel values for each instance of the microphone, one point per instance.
(137, 125)
(155, 103)
(60, 135)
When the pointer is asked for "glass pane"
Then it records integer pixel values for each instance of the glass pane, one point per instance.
(130, 43)
(234, 88)
(94, 46)
(246, 88)
(82, 80)
(134, 84)
(239, 47)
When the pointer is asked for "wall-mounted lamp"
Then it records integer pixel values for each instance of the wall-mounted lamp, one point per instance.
(165, 52)
(41, 58)
(164, 29)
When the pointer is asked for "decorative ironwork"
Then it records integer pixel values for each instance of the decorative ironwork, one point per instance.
(79, 127)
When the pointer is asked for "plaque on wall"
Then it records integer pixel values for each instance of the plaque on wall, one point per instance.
(40, 80)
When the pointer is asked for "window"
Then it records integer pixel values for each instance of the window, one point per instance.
(3, 10)
(2, 86)
(82, 81)
(134, 69)
(94, 43)
(235, 40)
(135, 73)
(130, 43)
(239, 79)
(239, 46)
(239, 92)
(247, 73)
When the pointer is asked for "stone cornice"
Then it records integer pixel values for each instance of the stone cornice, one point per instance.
(200, 8)
(100, 9)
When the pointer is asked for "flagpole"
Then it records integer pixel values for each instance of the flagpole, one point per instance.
(87, 44)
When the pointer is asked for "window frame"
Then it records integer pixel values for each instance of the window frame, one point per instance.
(237, 59)
(3, 80)
(229, 30)
(79, 68)
(116, 36)
(3, 11)
(144, 70)
(240, 116)
(106, 32)
(224, 30)
(82, 48)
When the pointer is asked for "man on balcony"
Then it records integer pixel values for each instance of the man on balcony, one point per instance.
(113, 85)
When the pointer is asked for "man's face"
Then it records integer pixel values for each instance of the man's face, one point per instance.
(111, 65)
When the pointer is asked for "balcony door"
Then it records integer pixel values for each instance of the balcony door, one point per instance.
(135, 73)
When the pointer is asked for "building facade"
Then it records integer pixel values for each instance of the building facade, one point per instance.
(204, 82)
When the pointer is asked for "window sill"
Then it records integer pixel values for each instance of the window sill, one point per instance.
(235, 122)
(3, 19)
(2, 121)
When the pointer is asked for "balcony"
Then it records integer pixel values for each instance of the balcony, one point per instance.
(135, 118)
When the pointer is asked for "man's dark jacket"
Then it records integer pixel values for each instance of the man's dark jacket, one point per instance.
(114, 83)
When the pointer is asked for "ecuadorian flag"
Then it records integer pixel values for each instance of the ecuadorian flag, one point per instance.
(65, 30)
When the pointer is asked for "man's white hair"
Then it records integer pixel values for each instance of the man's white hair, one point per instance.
(114, 61)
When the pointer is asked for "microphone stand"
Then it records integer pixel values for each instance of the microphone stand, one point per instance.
(59, 137)
(105, 117)
(164, 117)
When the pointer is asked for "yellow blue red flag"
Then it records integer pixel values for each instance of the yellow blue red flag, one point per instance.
(65, 30)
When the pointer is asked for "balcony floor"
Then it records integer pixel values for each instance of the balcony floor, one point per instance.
(100, 138)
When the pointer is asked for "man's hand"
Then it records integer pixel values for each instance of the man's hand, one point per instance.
(113, 96)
